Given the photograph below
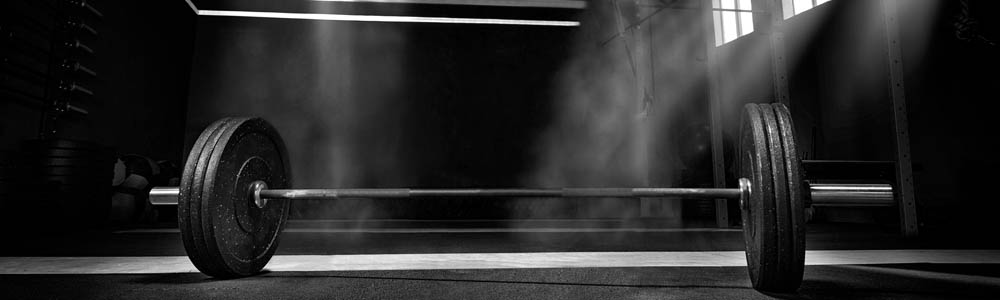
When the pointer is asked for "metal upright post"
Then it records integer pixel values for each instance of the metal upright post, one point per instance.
(904, 168)
(776, 35)
(715, 112)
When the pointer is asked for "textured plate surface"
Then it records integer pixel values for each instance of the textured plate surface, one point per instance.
(782, 215)
(758, 213)
(795, 194)
(774, 227)
(185, 209)
(206, 250)
(229, 235)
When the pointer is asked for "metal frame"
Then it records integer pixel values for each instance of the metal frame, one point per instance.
(715, 112)
(776, 36)
(717, 19)
(897, 91)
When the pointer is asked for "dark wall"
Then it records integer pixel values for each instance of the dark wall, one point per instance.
(951, 88)
(382, 104)
(144, 65)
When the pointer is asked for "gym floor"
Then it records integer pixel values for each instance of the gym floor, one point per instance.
(536, 259)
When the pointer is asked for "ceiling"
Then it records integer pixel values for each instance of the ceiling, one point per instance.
(555, 10)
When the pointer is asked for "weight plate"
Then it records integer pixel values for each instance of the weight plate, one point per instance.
(64, 152)
(81, 190)
(212, 264)
(239, 237)
(795, 194)
(62, 143)
(72, 179)
(185, 210)
(783, 226)
(252, 151)
(92, 162)
(70, 171)
(758, 212)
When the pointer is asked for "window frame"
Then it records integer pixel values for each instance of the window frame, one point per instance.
(739, 12)
(788, 7)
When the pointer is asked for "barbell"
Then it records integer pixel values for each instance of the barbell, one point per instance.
(234, 196)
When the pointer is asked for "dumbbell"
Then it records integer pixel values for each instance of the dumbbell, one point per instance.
(234, 196)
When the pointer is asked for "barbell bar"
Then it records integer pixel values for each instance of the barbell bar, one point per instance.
(822, 194)
(235, 191)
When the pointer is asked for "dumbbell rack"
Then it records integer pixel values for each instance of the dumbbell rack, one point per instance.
(47, 57)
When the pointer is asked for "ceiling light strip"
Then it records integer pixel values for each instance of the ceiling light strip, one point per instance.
(390, 19)
(570, 4)
(191, 5)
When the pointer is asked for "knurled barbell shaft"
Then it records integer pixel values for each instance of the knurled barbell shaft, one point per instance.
(168, 195)
(822, 194)
(710, 193)
(851, 195)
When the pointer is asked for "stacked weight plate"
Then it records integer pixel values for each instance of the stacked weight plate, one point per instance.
(224, 232)
(71, 180)
(773, 218)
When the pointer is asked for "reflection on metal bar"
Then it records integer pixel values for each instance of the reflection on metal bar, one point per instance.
(387, 19)
(164, 195)
(852, 195)
(77, 109)
(83, 4)
(74, 66)
(89, 29)
(574, 4)
(540, 193)
(73, 87)
(76, 44)
(80, 25)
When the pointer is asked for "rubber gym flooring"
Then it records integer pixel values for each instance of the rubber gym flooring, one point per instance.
(539, 259)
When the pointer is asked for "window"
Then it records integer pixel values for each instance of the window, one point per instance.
(794, 7)
(733, 19)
